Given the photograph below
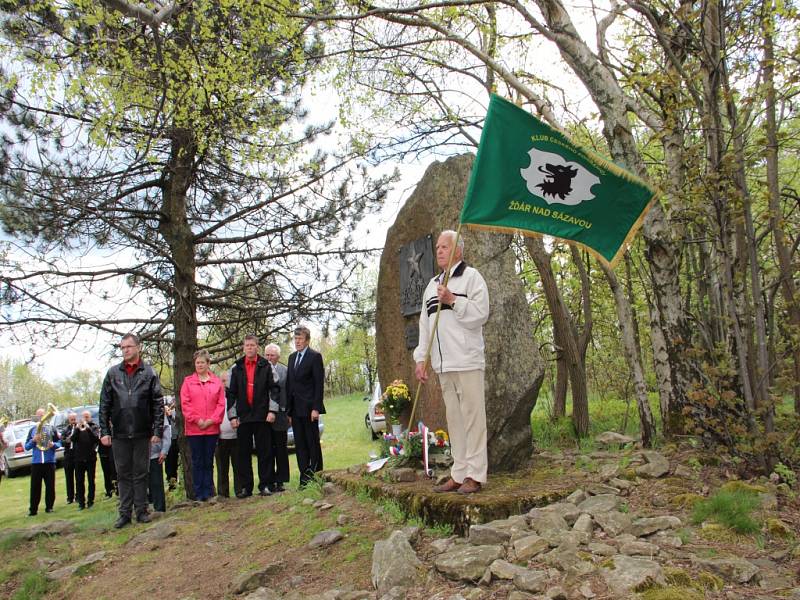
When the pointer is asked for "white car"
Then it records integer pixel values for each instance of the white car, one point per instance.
(375, 420)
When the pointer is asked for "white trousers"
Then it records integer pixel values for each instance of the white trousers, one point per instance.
(466, 423)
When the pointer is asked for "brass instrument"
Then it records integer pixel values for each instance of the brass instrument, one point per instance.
(43, 430)
(82, 425)
(4, 420)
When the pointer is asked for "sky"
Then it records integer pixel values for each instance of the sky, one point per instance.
(95, 351)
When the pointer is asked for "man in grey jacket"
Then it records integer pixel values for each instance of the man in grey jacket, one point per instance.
(457, 356)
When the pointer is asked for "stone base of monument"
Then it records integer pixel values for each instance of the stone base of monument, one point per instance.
(504, 495)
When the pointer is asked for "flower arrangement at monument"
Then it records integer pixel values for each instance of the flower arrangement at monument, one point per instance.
(395, 400)
(402, 450)
(440, 440)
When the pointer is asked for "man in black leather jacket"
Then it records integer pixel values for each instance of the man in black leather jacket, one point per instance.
(131, 415)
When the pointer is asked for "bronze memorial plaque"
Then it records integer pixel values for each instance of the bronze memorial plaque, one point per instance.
(416, 270)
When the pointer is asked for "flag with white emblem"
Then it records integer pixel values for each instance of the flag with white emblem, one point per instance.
(532, 179)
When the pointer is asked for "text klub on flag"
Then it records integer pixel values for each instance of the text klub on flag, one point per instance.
(532, 179)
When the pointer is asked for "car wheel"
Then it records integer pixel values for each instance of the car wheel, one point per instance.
(366, 421)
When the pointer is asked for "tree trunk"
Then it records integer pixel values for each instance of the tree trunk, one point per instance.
(648, 427)
(782, 250)
(562, 382)
(177, 233)
(562, 323)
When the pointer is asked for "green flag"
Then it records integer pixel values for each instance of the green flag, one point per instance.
(529, 178)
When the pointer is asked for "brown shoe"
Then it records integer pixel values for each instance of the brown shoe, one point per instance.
(470, 486)
(451, 485)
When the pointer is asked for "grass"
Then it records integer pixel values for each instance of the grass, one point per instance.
(345, 442)
(730, 508)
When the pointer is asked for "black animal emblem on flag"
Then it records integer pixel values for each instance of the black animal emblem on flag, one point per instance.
(559, 180)
(556, 180)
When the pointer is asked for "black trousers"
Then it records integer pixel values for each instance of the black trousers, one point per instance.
(307, 448)
(171, 462)
(69, 474)
(84, 469)
(279, 459)
(43, 473)
(109, 471)
(250, 434)
(226, 457)
(132, 459)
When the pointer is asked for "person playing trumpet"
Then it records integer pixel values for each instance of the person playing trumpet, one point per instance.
(43, 463)
(85, 439)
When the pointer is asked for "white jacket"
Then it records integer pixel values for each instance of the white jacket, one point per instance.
(458, 345)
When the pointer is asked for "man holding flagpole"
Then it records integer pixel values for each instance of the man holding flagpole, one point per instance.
(457, 355)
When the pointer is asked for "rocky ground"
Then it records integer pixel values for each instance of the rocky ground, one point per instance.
(625, 532)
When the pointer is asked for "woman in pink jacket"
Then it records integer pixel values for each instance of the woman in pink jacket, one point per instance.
(203, 404)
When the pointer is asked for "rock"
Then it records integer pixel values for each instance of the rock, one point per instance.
(628, 574)
(308, 501)
(257, 578)
(556, 593)
(529, 546)
(567, 510)
(737, 570)
(512, 378)
(529, 580)
(608, 471)
(597, 489)
(403, 474)
(54, 528)
(601, 549)
(412, 533)
(586, 590)
(639, 549)
(64, 572)
(443, 544)
(512, 523)
(517, 595)
(608, 438)
(584, 524)
(160, 531)
(544, 521)
(570, 561)
(646, 526)
(620, 484)
(325, 538)
(263, 593)
(394, 563)
(467, 563)
(396, 593)
(613, 522)
(565, 539)
(329, 488)
(597, 504)
(484, 535)
(322, 505)
(769, 501)
(356, 595)
(657, 465)
(342, 519)
(663, 538)
(576, 497)
(780, 529)
(502, 569)
(683, 472)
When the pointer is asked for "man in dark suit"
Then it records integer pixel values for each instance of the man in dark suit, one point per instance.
(305, 382)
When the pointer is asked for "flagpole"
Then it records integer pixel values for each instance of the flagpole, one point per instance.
(435, 326)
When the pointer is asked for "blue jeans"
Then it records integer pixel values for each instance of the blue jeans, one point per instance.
(202, 447)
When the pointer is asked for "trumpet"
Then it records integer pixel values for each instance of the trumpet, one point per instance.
(82, 425)
(43, 430)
